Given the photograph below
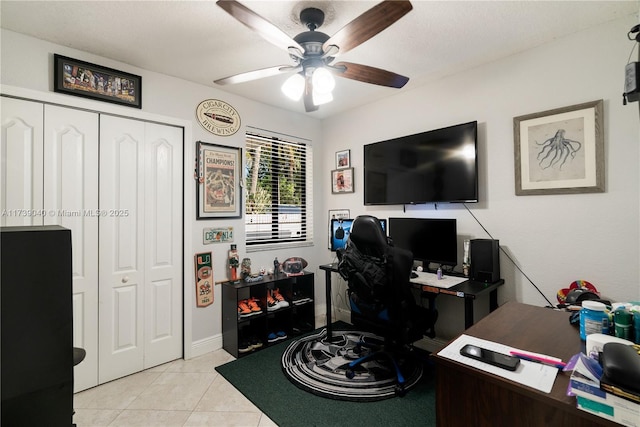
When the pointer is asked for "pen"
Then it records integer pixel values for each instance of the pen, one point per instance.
(557, 363)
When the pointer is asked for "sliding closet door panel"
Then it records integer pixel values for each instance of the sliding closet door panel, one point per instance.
(163, 240)
(71, 200)
(21, 163)
(121, 292)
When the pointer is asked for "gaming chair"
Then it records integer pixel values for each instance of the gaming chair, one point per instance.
(380, 296)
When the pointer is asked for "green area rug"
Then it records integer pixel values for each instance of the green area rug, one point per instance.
(260, 378)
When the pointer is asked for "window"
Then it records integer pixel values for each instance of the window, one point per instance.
(278, 185)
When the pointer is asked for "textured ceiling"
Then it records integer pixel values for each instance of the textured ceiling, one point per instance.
(199, 42)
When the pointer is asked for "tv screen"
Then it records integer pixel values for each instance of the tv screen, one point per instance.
(435, 166)
(432, 240)
(340, 229)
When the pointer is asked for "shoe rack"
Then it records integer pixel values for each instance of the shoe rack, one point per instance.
(249, 331)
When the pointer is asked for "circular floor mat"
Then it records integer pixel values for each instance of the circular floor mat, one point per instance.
(316, 365)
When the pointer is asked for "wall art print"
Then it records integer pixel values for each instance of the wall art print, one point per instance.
(79, 78)
(560, 151)
(218, 181)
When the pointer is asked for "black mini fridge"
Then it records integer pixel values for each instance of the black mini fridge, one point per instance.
(37, 326)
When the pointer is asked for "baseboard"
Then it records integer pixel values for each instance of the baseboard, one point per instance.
(206, 345)
(342, 314)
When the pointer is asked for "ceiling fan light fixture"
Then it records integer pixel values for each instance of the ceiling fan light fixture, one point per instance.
(323, 81)
(320, 98)
(293, 87)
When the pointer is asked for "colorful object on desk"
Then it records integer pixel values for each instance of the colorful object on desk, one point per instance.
(545, 360)
(594, 319)
(577, 284)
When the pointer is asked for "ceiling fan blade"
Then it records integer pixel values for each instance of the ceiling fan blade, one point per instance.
(307, 97)
(367, 74)
(368, 25)
(260, 25)
(256, 74)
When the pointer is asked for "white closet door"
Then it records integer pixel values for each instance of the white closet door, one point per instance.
(141, 246)
(21, 163)
(163, 244)
(122, 247)
(71, 194)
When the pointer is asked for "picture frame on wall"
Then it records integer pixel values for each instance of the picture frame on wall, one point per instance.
(337, 214)
(560, 151)
(87, 80)
(342, 181)
(343, 159)
(218, 192)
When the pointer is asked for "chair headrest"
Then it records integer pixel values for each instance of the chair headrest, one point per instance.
(368, 236)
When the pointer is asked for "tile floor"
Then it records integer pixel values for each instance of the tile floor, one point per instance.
(179, 393)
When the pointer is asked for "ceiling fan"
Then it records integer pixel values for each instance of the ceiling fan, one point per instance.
(313, 51)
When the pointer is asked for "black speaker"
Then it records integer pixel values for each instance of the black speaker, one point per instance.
(485, 260)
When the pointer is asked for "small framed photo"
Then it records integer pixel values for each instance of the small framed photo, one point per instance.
(79, 78)
(337, 214)
(342, 181)
(218, 185)
(560, 151)
(343, 159)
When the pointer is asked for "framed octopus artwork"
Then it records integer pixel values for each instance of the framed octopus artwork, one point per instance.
(560, 151)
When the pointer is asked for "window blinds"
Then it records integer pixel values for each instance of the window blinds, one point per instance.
(279, 191)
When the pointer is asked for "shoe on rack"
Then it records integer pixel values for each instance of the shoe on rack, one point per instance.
(244, 309)
(278, 297)
(254, 305)
(244, 346)
(272, 337)
(276, 336)
(255, 343)
(299, 298)
(272, 304)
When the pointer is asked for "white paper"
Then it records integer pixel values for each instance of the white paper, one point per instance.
(431, 279)
(532, 374)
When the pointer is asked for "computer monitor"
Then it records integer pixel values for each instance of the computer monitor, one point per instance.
(340, 229)
(432, 240)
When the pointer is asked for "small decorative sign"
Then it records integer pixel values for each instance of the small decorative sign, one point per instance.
(218, 117)
(217, 235)
(204, 279)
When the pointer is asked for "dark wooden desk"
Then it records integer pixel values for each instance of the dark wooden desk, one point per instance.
(469, 397)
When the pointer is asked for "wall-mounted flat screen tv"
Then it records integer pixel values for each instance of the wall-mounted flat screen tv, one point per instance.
(437, 166)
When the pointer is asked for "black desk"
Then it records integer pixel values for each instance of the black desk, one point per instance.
(328, 269)
(469, 290)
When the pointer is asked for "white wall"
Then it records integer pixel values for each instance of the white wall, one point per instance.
(555, 239)
(27, 63)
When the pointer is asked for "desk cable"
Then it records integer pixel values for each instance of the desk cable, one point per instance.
(510, 259)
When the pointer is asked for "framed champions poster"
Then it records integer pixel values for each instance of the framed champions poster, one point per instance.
(218, 184)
